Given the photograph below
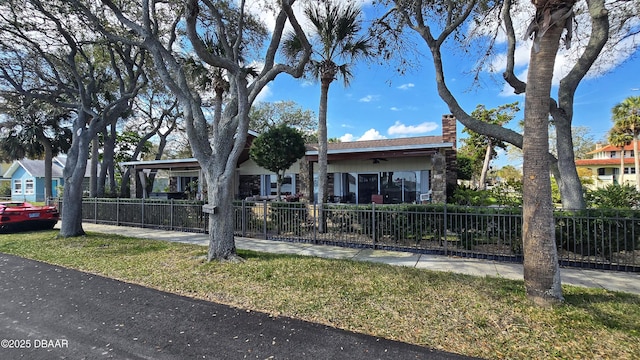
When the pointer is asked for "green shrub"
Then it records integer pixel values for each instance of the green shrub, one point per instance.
(5, 189)
(598, 232)
(614, 196)
(464, 195)
(508, 193)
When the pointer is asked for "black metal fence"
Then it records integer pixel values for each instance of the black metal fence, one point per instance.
(602, 239)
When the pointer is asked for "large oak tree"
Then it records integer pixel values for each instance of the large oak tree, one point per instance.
(220, 36)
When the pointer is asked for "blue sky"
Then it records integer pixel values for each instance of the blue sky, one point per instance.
(380, 103)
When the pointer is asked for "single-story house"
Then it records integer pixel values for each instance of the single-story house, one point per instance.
(401, 170)
(605, 165)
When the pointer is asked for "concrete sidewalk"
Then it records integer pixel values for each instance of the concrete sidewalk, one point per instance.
(610, 280)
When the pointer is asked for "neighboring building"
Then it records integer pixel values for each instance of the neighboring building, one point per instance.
(27, 178)
(605, 165)
(403, 170)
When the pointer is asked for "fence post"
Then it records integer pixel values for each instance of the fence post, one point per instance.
(315, 221)
(142, 219)
(373, 224)
(118, 211)
(95, 210)
(444, 230)
(264, 217)
(244, 218)
(171, 209)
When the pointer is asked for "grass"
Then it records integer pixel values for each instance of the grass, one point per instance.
(477, 316)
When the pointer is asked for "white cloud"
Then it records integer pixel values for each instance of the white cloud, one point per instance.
(264, 94)
(393, 108)
(406, 86)
(371, 134)
(347, 138)
(401, 129)
(262, 9)
(307, 83)
(370, 98)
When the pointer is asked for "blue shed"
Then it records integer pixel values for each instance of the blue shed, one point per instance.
(27, 179)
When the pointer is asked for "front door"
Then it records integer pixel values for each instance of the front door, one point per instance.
(367, 186)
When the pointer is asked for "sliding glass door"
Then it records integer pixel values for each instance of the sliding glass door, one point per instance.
(367, 186)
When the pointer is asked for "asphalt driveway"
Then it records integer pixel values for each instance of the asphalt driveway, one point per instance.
(49, 312)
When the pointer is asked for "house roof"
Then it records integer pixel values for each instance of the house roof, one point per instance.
(610, 147)
(171, 164)
(383, 148)
(603, 162)
(36, 168)
(400, 147)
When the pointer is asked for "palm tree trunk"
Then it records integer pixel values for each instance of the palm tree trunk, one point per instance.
(48, 161)
(541, 270)
(322, 148)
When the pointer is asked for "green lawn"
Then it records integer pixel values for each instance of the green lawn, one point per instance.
(478, 316)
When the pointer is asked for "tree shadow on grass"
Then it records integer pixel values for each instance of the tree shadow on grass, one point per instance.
(614, 310)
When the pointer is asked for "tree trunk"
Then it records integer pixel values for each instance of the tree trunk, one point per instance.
(73, 173)
(569, 183)
(541, 270)
(322, 148)
(485, 167)
(48, 176)
(571, 193)
(111, 161)
(279, 177)
(93, 181)
(221, 221)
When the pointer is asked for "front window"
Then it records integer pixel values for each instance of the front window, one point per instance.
(249, 186)
(612, 154)
(17, 187)
(28, 187)
(285, 189)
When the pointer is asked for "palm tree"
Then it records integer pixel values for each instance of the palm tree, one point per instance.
(620, 138)
(626, 116)
(35, 130)
(338, 45)
(541, 269)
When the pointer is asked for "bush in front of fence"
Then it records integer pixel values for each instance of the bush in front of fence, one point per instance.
(602, 234)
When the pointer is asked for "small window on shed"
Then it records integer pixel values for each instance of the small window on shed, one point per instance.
(17, 187)
(28, 187)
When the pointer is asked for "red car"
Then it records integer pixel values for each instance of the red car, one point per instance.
(22, 216)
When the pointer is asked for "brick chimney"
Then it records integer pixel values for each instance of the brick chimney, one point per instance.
(449, 129)
(449, 132)
(444, 174)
